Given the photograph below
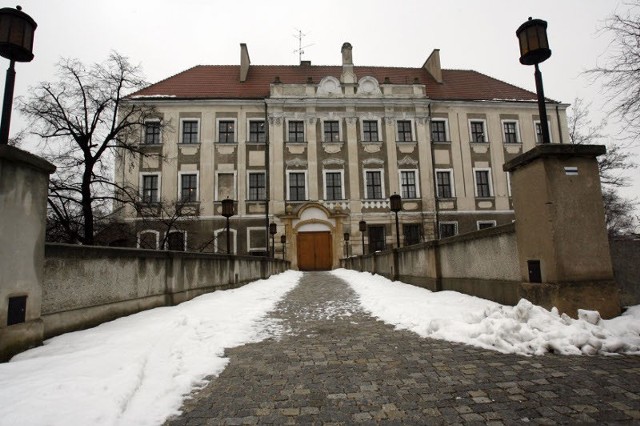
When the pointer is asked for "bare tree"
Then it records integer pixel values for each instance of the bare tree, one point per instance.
(81, 119)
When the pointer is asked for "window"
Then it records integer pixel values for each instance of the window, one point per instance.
(220, 241)
(448, 229)
(444, 183)
(408, 185)
(225, 186)
(376, 238)
(297, 187)
(404, 131)
(439, 131)
(17, 310)
(257, 241)
(190, 131)
(189, 188)
(257, 131)
(538, 128)
(333, 185)
(151, 132)
(510, 129)
(257, 186)
(331, 131)
(370, 131)
(412, 233)
(176, 240)
(373, 180)
(150, 188)
(226, 131)
(484, 224)
(483, 183)
(148, 240)
(296, 131)
(477, 131)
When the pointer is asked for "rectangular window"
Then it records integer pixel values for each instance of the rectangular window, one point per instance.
(333, 186)
(17, 312)
(510, 131)
(189, 188)
(296, 131)
(148, 240)
(538, 128)
(444, 184)
(374, 184)
(331, 131)
(151, 132)
(412, 234)
(190, 131)
(150, 189)
(297, 190)
(376, 238)
(176, 241)
(438, 131)
(257, 131)
(483, 183)
(257, 186)
(477, 132)
(408, 184)
(448, 229)
(370, 131)
(484, 224)
(404, 131)
(226, 131)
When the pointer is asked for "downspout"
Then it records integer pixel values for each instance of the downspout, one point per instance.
(267, 182)
(559, 128)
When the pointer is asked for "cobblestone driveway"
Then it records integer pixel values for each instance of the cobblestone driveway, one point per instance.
(338, 365)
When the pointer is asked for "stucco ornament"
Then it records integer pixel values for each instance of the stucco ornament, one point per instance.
(368, 86)
(329, 86)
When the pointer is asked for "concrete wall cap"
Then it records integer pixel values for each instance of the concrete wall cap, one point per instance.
(554, 150)
(11, 153)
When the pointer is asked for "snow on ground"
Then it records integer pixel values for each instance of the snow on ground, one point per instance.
(136, 370)
(524, 329)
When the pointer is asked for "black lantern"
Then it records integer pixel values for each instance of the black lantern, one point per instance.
(227, 211)
(362, 227)
(346, 244)
(534, 49)
(273, 230)
(283, 240)
(16, 44)
(396, 206)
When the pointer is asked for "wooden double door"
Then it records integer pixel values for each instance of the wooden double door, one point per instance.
(314, 251)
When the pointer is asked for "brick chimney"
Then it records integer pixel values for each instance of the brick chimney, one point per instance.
(244, 62)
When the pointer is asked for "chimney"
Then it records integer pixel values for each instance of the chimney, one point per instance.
(348, 76)
(432, 65)
(244, 62)
(305, 63)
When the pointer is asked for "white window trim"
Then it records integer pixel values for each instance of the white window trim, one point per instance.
(166, 242)
(235, 184)
(417, 180)
(324, 180)
(304, 130)
(535, 134)
(484, 126)
(144, 130)
(364, 179)
(413, 129)
(446, 130)
(479, 222)
(151, 231)
(182, 120)
(445, 222)
(261, 171)
(233, 235)
(180, 174)
(504, 136)
(451, 179)
(141, 184)
(508, 183)
(340, 135)
(306, 184)
(475, 184)
(235, 129)
(249, 230)
(380, 135)
(266, 130)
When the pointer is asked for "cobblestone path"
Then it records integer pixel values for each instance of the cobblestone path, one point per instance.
(338, 365)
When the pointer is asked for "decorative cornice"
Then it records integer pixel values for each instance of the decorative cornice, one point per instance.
(297, 162)
(370, 161)
(331, 161)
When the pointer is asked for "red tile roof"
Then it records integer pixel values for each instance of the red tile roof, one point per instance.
(223, 82)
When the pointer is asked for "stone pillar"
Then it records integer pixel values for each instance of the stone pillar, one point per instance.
(563, 246)
(24, 181)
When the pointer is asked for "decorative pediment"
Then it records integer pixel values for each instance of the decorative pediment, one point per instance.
(329, 86)
(407, 161)
(333, 161)
(373, 161)
(296, 162)
(368, 86)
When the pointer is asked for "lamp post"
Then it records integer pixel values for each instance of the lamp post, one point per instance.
(534, 49)
(273, 230)
(362, 226)
(346, 244)
(16, 44)
(227, 211)
(396, 206)
(283, 240)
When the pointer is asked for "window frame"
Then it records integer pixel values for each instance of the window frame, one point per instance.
(447, 222)
(516, 124)
(324, 134)
(378, 129)
(176, 231)
(182, 121)
(410, 122)
(158, 189)
(451, 183)
(484, 130)
(324, 179)
(365, 181)
(405, 226)
(180, 188)
(493, 223)
(304, 131)
(416, 183)
(535, 131)
(250, 248)
(148, 231)
(234, 240)
(249, 133)
(157, 124)
(383, 240)
(219, 133)
(256, 172)
(489, 182)
(446, 129)
(306, 184)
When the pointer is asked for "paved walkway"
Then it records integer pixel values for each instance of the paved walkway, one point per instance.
(338, 365)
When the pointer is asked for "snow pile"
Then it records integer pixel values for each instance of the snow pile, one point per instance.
(137, 369)
(523, 329)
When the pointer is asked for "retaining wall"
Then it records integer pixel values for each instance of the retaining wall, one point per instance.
(625, 257)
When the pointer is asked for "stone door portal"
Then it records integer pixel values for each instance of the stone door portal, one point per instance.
(314, 251)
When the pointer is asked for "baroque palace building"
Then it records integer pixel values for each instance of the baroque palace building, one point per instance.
(318, 149)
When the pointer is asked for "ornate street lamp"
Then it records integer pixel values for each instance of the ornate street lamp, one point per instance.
(16, 44)
(534, 49)
(273, 230)
(396, 206)
(283, 240)
(362, 227)
(227, 211)
(346, 244)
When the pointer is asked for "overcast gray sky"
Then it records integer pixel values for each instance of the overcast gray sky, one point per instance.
(167, 37)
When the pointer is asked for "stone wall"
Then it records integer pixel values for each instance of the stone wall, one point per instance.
(85, 286)
(625, 256)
